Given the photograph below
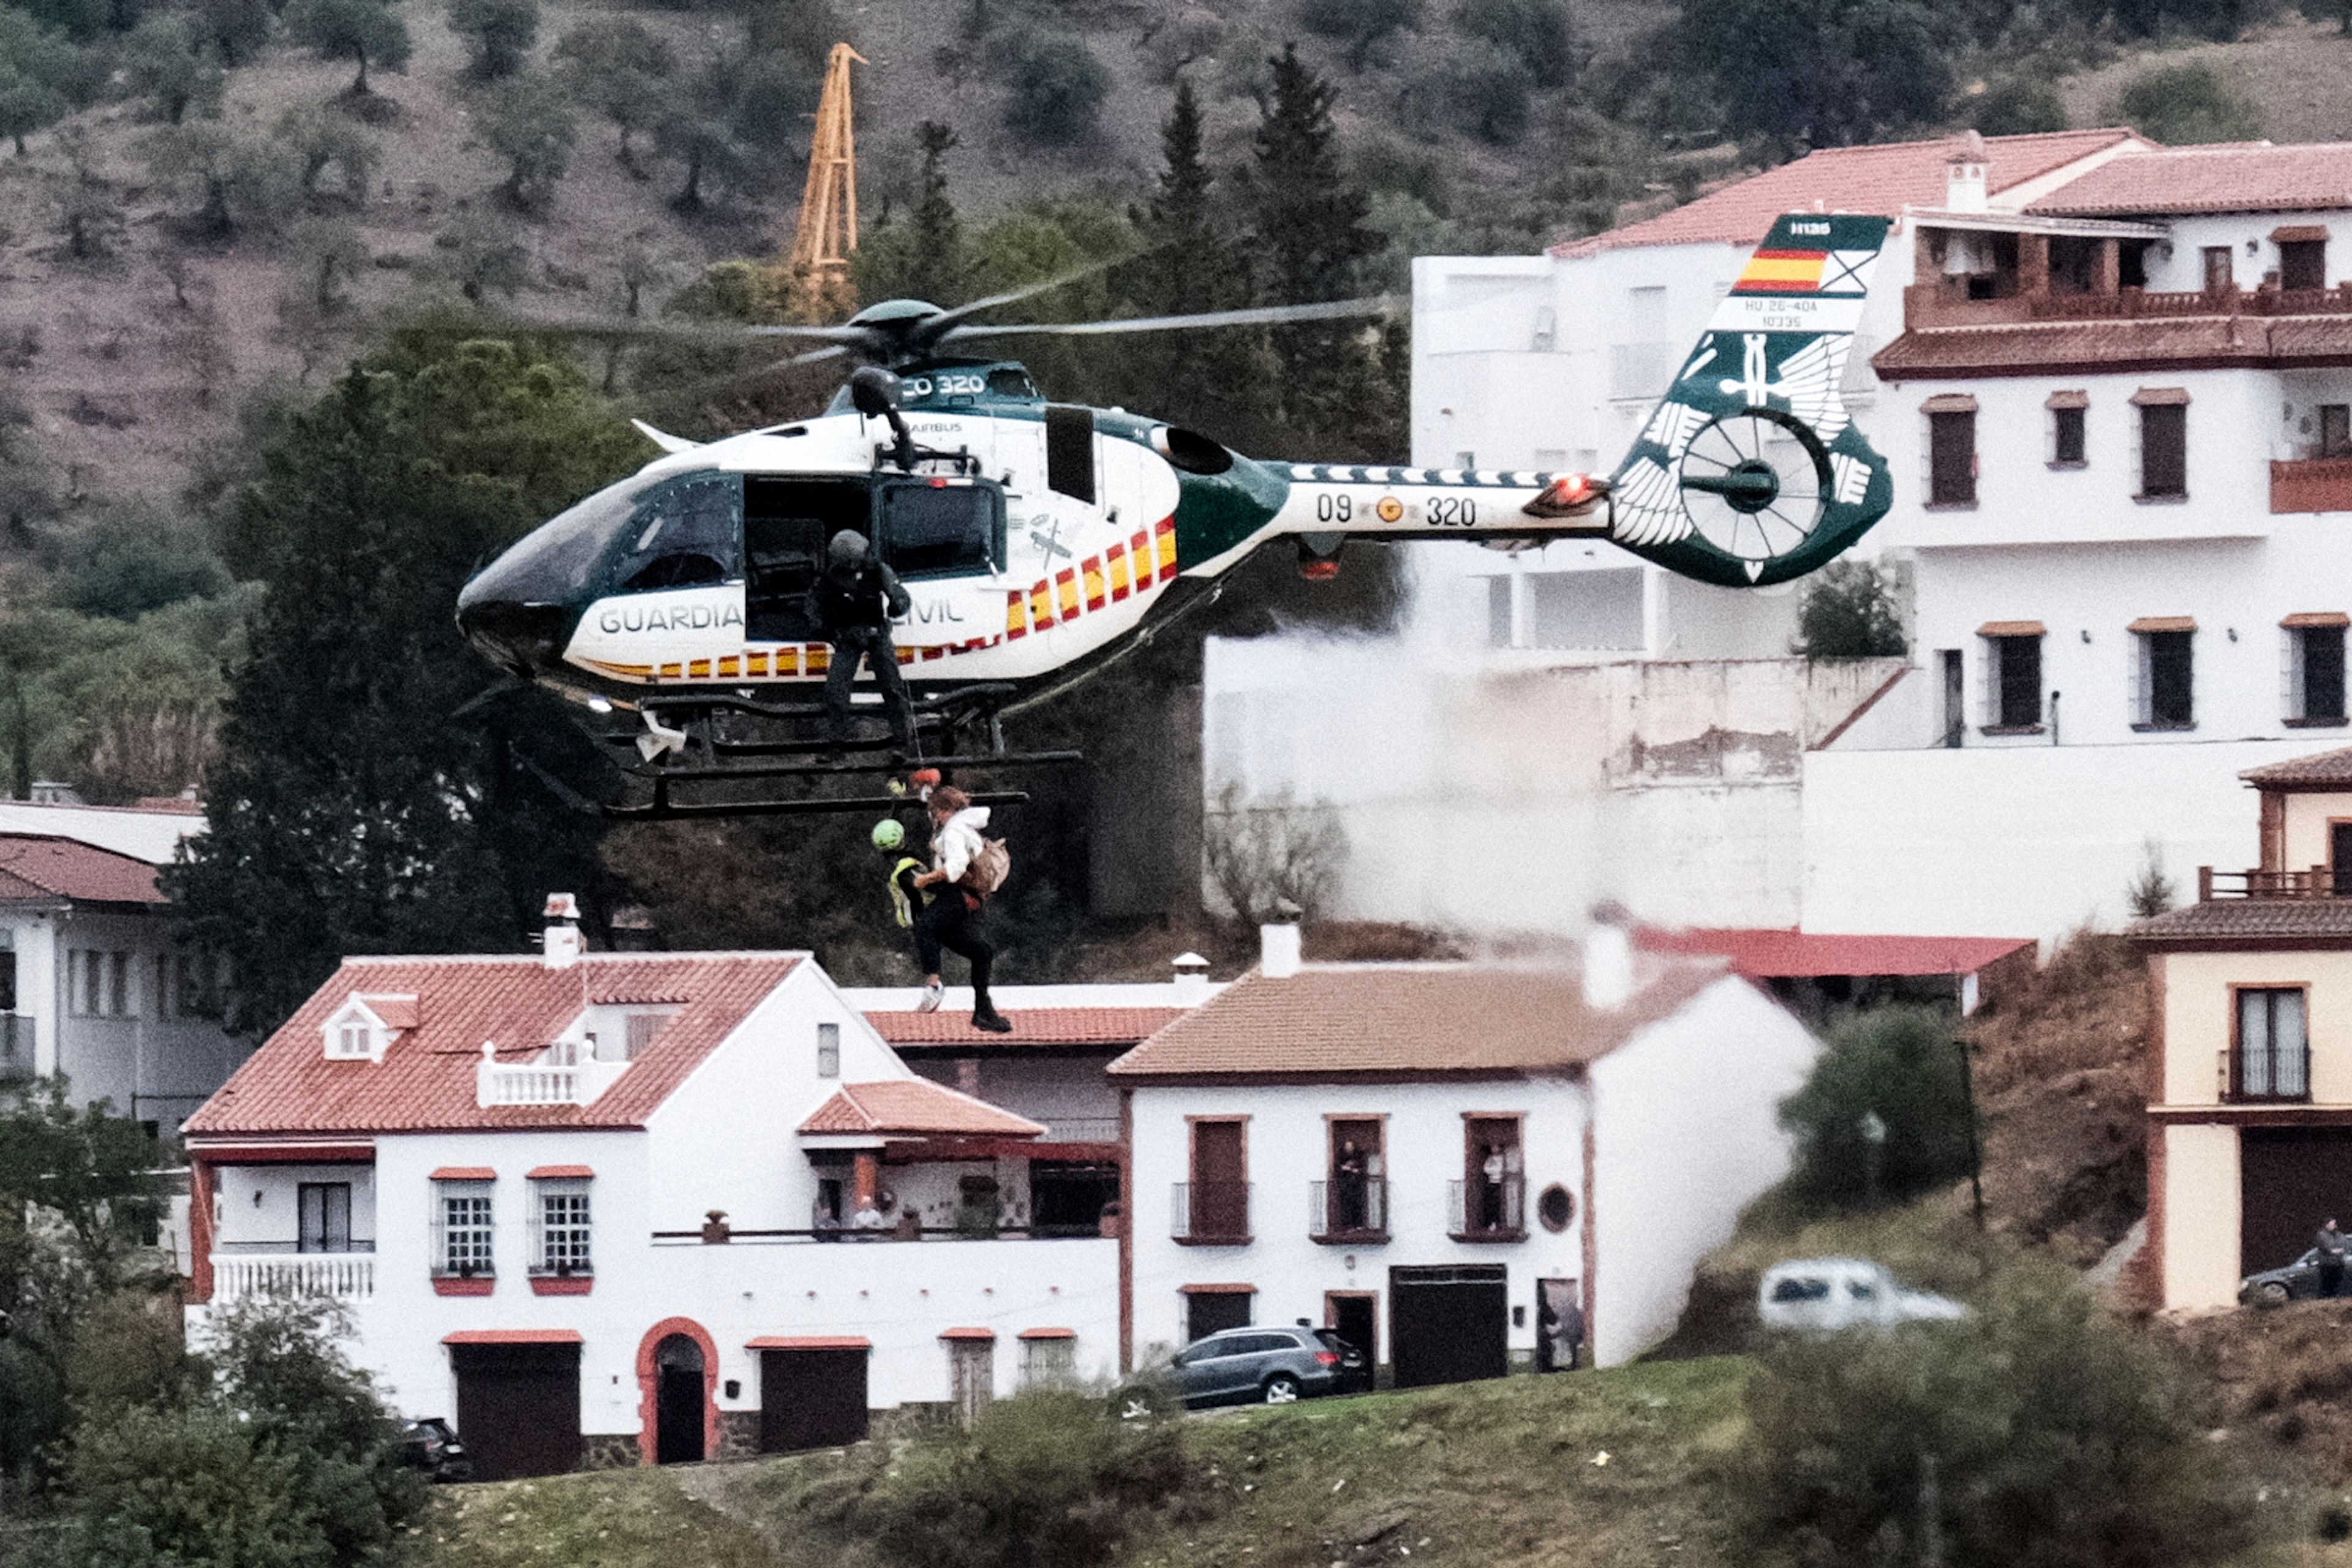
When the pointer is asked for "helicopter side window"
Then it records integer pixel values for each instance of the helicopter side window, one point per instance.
(1011, 381)
(942, 527)
(686, 534)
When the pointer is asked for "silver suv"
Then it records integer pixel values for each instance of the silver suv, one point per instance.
(1274, 1365)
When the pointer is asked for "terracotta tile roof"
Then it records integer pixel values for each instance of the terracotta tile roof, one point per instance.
(1768, 953)
(397, 1012)
(2250, 919)
(1883, 179)
(2322, 768)
(2229, 177)
(1336, 1021)
(42, 866)
(914, 1105)
(426, 1078)
(1031, 1027)
(2173, 342)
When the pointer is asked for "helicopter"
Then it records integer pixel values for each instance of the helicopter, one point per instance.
(1038, 540)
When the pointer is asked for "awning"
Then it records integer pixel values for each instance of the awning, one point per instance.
(2317, 618)
(2012, 629)
(465, 1174)
(514, 1337)
(2068, 400)
(560, 1172)
(809, 1343)
(1777, 953)
(1049, 1333)
(1236, 1289)
(2163, 624)
(967, 1333)
(2157, 396)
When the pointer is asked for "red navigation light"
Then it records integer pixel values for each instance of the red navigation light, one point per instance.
(1568, 495)
(939, 484)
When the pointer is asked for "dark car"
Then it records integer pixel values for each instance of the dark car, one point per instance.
(431, 1446)
(2298, 1281)
(1269, 1365)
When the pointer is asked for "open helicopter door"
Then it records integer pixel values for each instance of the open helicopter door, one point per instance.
(787, 523)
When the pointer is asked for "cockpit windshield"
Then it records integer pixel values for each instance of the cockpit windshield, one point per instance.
(554, 563)
(683, 534)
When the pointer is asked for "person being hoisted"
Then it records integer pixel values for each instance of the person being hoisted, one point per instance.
(967, 866)
(857, 599)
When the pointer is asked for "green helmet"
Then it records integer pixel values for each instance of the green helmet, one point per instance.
(889, 833)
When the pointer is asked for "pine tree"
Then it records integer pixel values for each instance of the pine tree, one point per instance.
(1310, 232)
(1214, 381)
(364, 801)
(937, 269)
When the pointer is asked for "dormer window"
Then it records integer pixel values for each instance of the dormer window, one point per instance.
(361, 1029)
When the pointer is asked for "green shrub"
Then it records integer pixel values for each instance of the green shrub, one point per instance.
(1901, 1065)
(134, 558)
(2019, 106)
(1057, 88)
(2184, 104)
(1849, 613)
(1538, 32)
(1360, 25)
(2043, 1434)
(499, 35)
(1054, 1478)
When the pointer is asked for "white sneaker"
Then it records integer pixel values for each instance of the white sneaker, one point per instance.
(933, 995)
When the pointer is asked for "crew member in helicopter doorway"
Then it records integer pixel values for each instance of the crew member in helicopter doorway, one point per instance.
(967, 866)
(856, 598)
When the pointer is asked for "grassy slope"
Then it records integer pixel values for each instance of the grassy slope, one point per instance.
(2297, 75)
(1495, 1474)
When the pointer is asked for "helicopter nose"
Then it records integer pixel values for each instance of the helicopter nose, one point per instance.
(526, 638)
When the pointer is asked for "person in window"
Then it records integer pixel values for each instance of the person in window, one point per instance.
(1350, 1172)
(951, 922)
(1490, 1191)
(856, 598)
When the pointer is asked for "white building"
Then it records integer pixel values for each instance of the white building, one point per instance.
(583, 1204)
(96, 980)
(2111, 380)
(1439, 1159)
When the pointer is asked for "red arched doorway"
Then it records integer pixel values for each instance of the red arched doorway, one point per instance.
(677, 1386)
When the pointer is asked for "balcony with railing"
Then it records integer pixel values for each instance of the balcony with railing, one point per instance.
(1209, 1214)
(257, 1269)
(2310, 484)
(544, 1083)
(2279, 1074)
(1488, 1211)
(2318, 882)
(1347, 1210)
(1939, 305)
(16, 1046)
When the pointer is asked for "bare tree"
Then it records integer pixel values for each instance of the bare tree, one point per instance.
(1263, 855)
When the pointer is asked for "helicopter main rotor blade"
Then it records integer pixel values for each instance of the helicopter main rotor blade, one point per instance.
(1075, 275)
(1258, 316)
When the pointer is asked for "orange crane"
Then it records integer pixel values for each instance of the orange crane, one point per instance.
(827, 232)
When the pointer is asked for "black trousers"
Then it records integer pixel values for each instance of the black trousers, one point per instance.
(953, 924)
(2331, 1276)
(872, 644)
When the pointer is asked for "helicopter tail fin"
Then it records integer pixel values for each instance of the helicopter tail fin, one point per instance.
(1750, 470)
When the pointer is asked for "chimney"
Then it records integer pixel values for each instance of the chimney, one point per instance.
(560, 946)
(1964, 175)
(1609, 958)
(1191, 985)
(1278, 950)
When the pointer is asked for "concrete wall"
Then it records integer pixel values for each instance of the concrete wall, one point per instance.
(2199, 1265)
(2199, 1028)
(2309, 816)
(1686, 1134)
(150, 1063)
(2019, 842)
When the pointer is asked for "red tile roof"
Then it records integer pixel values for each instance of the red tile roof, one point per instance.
(42, 866)
(1883, 179)
(1767, 953)
(514, 1337)
(2230, 177)
(2322, 769)
(915, 1106)
(809, 1343)
(2165, 344)
(1338, 1021)
(1031, 1027)
(426, 1078)
(2308, 922)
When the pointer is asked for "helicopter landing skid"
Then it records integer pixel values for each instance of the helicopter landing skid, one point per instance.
(714, 741)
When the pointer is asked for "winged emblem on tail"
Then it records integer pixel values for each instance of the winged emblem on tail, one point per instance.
(1750, 470)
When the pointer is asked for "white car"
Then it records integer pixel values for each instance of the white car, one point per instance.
(1827, 1294)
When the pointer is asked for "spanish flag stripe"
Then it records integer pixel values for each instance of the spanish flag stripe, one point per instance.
(1016, 618)
(1094, 571)
(1167, 544)
(1066, 586)
(1041, 605)
(1115, 558)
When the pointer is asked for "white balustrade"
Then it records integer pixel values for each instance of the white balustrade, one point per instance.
(533, 1083)
(345, 1276)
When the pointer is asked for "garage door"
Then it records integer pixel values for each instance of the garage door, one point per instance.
(811, 1398)
(1447, 1325)
(519, 1408)
(2291, 1179)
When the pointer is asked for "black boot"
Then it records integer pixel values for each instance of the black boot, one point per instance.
(986, 1017)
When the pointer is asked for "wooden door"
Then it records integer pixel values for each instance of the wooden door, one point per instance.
(972, 1376)
(811, 1398)
(519, 1408)
(1220, 1192)
(2290, 1180)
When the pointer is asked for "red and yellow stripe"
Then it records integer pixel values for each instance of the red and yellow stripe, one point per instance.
(1783, 272)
